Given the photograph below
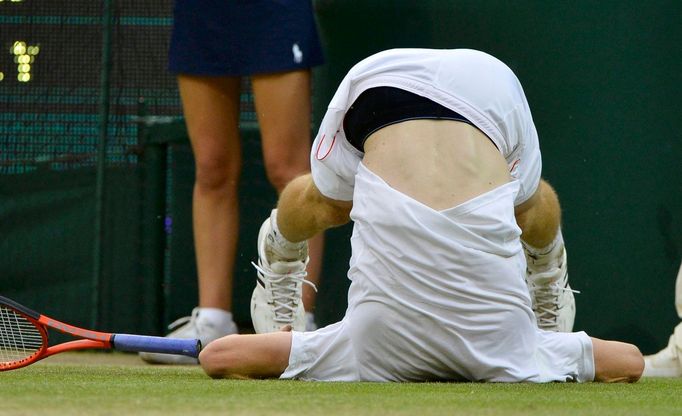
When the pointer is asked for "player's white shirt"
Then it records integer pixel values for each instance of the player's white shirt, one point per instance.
(472, 83)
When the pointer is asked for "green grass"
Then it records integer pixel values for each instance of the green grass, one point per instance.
(93, 384)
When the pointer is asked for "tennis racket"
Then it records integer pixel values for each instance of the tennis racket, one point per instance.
(24, 338)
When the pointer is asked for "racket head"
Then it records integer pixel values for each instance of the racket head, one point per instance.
(23, 340)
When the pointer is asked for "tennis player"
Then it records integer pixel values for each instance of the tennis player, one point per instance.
(434, 156)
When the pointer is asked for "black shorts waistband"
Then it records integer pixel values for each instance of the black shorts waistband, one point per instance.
(379, 107)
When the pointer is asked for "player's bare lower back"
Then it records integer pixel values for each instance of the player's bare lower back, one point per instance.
(440, 163)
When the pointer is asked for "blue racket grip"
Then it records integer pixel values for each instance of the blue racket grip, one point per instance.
(141, 343)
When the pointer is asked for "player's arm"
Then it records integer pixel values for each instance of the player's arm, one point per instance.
(247, 356)
(616, 361)
(302, 210)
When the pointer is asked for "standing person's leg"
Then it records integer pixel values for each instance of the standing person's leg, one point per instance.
(540, 221)
(211, 109)
(283, 107)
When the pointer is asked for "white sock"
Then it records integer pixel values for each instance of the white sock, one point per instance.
(279, 238)
(218, 317)
(557, 242)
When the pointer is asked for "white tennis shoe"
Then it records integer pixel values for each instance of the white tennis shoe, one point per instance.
(552, 297)
(666, 363)
(281, 272)
(191, 327)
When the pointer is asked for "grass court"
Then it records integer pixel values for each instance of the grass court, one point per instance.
(95, 383)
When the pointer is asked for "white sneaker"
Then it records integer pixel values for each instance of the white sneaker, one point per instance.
(552, 297)
(666, 363)
(190, 327)
(276, 299)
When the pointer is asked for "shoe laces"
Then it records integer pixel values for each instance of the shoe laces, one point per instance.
(179, 322)
(186, 326)
(284, 289)
(192, 327)
(548, 281)
(546, 302)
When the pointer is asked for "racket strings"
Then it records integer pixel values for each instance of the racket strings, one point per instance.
(19, 337)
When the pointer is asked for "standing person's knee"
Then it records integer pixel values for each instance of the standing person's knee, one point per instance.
(214, 172)
(285, 157)
(280, 174)
(279, 177)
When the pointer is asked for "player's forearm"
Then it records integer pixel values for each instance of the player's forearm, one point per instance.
(303, 212)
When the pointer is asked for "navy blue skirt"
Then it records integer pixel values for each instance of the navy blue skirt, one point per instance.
(243, 37)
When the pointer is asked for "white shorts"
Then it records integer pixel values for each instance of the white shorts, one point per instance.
(471, 83)
(327, 355)
(437, 295)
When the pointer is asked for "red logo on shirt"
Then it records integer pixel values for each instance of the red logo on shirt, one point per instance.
(322, 152)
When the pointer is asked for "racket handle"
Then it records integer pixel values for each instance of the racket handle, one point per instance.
(141, 343)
